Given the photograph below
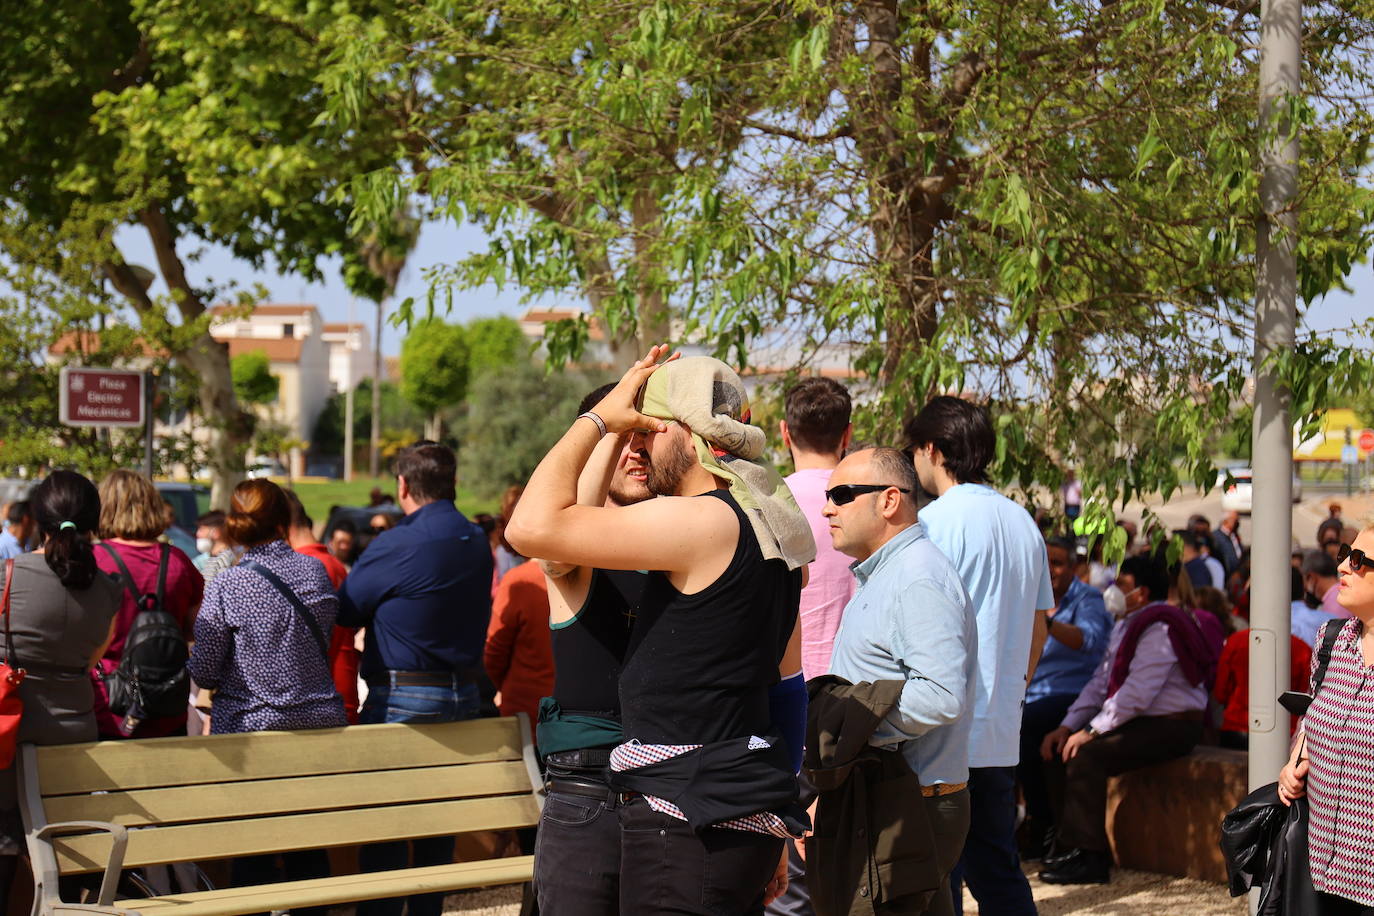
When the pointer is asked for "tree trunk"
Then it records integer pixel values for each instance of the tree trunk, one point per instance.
(653, 324)
(229, 428)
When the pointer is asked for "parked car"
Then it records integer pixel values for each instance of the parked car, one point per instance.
(1239, 495)
(266, 467)
(188, 500)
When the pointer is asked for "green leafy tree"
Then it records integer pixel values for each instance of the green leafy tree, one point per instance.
(514, 417)
(254, 382)
(434, 369)
(404, 421)
(1051, 206)
(188, 124)
(495, 344)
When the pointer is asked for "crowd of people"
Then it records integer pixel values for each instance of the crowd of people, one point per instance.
(858, 688)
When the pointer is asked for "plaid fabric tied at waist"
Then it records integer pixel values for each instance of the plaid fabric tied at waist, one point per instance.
(632, 755)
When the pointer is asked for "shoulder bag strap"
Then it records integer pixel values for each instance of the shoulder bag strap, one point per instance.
(5, 612)
(125, 577)
(1324, 654)
(275, 581)
(164, 553)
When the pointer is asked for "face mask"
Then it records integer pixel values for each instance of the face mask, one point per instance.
(1115, 600)
(204, 545)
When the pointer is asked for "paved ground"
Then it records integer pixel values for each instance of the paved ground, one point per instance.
(1131, 893)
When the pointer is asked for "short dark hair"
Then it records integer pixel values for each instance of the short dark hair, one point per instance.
(1320, 563)
(961, 430)
(212, 519)
(817, 411)
(1068, 545)
(594, 397)
(346, 526)
(892, 466)
(1296, 590)
(19, 510)
(1195, 520)
(1149, 570)
(299, 517)
(430, 471)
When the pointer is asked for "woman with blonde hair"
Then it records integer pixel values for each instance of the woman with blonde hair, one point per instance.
(1333, 757)
(261, 643)
(131, 521)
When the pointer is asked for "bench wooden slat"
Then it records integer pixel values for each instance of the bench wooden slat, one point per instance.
(191, 804)
(160, 762)
(252, 836)
(327, 891)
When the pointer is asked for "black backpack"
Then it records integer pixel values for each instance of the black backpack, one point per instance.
(151, 681)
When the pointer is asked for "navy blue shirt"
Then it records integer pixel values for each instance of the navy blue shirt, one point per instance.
(423, 590)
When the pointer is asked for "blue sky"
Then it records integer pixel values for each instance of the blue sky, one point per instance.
(444, 243)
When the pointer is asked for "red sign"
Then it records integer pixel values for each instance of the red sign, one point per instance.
(1367, 440)
(101, 397)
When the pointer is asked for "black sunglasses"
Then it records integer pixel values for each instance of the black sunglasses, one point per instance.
(846, 493)
(1358, 559)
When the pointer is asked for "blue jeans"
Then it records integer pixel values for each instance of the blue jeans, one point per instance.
(390, 702)
(990, 863)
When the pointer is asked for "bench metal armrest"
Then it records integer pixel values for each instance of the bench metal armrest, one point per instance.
(119, 840)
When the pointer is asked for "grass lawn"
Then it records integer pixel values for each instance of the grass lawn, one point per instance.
(318, 497)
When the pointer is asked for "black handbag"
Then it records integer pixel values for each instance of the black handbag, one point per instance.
(1264, 841)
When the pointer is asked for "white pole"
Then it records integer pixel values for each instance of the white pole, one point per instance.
(1275, 320)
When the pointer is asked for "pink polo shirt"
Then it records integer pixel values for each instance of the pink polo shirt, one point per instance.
(831, 584)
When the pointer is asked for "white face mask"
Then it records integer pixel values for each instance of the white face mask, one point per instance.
(204, 544)
(1115, 600)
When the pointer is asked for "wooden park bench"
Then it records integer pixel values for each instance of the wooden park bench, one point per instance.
(106, 806)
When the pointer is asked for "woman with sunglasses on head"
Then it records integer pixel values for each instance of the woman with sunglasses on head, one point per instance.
(1333, 758)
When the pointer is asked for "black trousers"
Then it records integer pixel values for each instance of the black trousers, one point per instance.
(1081, 785)
(668, 868)
(1331, 905)
(1038, 719)
(577, 856)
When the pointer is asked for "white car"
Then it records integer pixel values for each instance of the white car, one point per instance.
(1240, 495)
(266, 468)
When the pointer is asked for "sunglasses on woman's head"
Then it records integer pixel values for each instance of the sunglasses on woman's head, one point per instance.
(846, 493)
(1358, 558)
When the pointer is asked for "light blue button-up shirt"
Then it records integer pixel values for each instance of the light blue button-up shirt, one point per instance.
(1000, 555)
(911, 620)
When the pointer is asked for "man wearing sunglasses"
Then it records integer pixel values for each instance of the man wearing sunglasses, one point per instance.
(1000, 555)
(910, 621)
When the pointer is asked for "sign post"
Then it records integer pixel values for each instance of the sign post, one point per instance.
(109, 397)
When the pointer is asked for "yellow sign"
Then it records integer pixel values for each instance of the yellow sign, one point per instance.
(1326, 445)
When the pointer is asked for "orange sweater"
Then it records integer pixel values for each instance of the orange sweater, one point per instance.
(519, 653)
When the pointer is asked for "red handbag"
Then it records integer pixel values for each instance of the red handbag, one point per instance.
(11, 676)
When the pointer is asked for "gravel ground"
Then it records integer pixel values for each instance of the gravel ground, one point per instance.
(1131, 893)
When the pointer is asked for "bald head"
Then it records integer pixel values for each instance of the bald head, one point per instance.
(871, 501)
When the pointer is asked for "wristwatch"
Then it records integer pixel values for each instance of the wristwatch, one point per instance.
(1092, 732)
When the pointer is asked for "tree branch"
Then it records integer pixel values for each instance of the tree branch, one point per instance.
(164, 238)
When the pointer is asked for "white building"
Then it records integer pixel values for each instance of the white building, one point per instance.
(350, 354)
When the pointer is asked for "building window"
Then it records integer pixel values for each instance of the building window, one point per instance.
(288, 330)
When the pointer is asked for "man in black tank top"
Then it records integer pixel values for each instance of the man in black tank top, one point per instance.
(706, 784)
(577, 853)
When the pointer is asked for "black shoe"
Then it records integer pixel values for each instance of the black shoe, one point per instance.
(1079, 866)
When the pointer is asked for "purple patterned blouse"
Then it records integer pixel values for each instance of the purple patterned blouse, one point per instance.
(1340, 784)
(252, 645)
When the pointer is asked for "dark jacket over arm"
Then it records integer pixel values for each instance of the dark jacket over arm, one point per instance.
(873, 844)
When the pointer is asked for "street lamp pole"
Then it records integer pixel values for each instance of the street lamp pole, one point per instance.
(1275, 321)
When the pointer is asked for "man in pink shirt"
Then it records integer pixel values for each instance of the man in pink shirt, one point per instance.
(817, 431)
